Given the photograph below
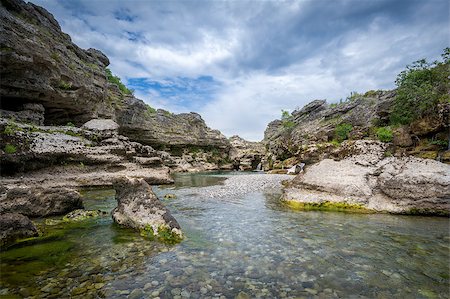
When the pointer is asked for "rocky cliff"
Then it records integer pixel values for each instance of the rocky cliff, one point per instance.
(41, 66)
(315, 131)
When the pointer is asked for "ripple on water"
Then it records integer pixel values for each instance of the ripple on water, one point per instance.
(239, 247)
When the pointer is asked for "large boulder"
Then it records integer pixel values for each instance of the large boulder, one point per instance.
(406, 185)
(102, 128)
(39, 201)
(15, 226)
(140, 209)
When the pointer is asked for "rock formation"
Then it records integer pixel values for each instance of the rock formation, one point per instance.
(139, 208)
(15, 226)
(365, 179)
(245, 155)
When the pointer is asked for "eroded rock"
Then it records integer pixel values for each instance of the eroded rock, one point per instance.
(139, 208)
(40, 202)
(15, 226)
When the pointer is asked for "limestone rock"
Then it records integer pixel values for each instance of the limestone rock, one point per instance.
(406, 185)
(162, 128)
(245, 155)
(102, 128)
(40, 202)
(139, 208)
(15, 226)
(40, 64)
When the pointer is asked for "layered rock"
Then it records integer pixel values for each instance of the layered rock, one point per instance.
(163, 129)
(368, 181)
(245, 155)
(310, 135)
(15, 226)
(40, 64)
(139, 208)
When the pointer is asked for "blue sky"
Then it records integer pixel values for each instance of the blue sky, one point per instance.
(238, 63)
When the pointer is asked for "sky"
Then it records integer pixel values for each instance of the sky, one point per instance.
(239, 63)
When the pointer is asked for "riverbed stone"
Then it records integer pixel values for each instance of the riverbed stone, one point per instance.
(139, 208)
(14, 226)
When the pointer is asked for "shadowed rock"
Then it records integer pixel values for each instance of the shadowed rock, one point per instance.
(15, 226)
(39, 202)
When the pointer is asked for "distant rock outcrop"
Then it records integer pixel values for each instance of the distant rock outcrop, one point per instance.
(245, 155)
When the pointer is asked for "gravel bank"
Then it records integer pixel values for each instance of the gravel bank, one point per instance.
(238, 185)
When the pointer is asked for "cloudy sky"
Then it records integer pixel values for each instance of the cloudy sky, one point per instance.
(238, 63)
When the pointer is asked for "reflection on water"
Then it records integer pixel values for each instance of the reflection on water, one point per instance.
(250, 245)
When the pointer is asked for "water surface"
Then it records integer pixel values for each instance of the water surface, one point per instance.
(251, 245)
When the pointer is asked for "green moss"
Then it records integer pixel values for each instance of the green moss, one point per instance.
(327, 206)
(426, 212)
(11, 128)
(166, 235)
(10, 149)
(65, 85)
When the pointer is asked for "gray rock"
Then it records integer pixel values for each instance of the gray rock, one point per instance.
(14, 226)
(39, 201)
(245, 155)
(406, 185)
(102, 128)
(139, 208)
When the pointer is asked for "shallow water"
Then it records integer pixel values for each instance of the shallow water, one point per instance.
(250, 245)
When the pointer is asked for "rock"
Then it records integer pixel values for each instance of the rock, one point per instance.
(316, 122)
(139, 208)
(32, 113)
(296, 169)
(402, 137)
(102, 128)
(170, 196)
(80, 215)
(40, 202)
(161, 128)
(245, 155)
(136, 294)
(406, 185)
(14, 226)
(40, 64)
(153, 161)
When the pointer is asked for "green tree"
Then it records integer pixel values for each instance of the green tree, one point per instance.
(421, 87)
(286, 119)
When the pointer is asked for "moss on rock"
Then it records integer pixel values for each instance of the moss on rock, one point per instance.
(327, 206)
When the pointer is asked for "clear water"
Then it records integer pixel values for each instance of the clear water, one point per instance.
(244, 247)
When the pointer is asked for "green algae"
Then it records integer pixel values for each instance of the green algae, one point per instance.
(163, 234)
(327, 206)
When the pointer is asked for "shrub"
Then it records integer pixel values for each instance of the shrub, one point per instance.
(384, 134)
(10, 149)
(287, 119)
(341, 131)
(116, 80)
(149, 110)
(421, 87)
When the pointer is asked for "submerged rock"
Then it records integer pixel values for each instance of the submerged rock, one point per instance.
(14, 226)
(139, 208)
(80, 215)
(39, 202)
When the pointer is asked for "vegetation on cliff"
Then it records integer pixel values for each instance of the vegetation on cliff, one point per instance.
(421, 88)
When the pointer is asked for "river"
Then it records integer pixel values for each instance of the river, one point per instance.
(244, 246)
